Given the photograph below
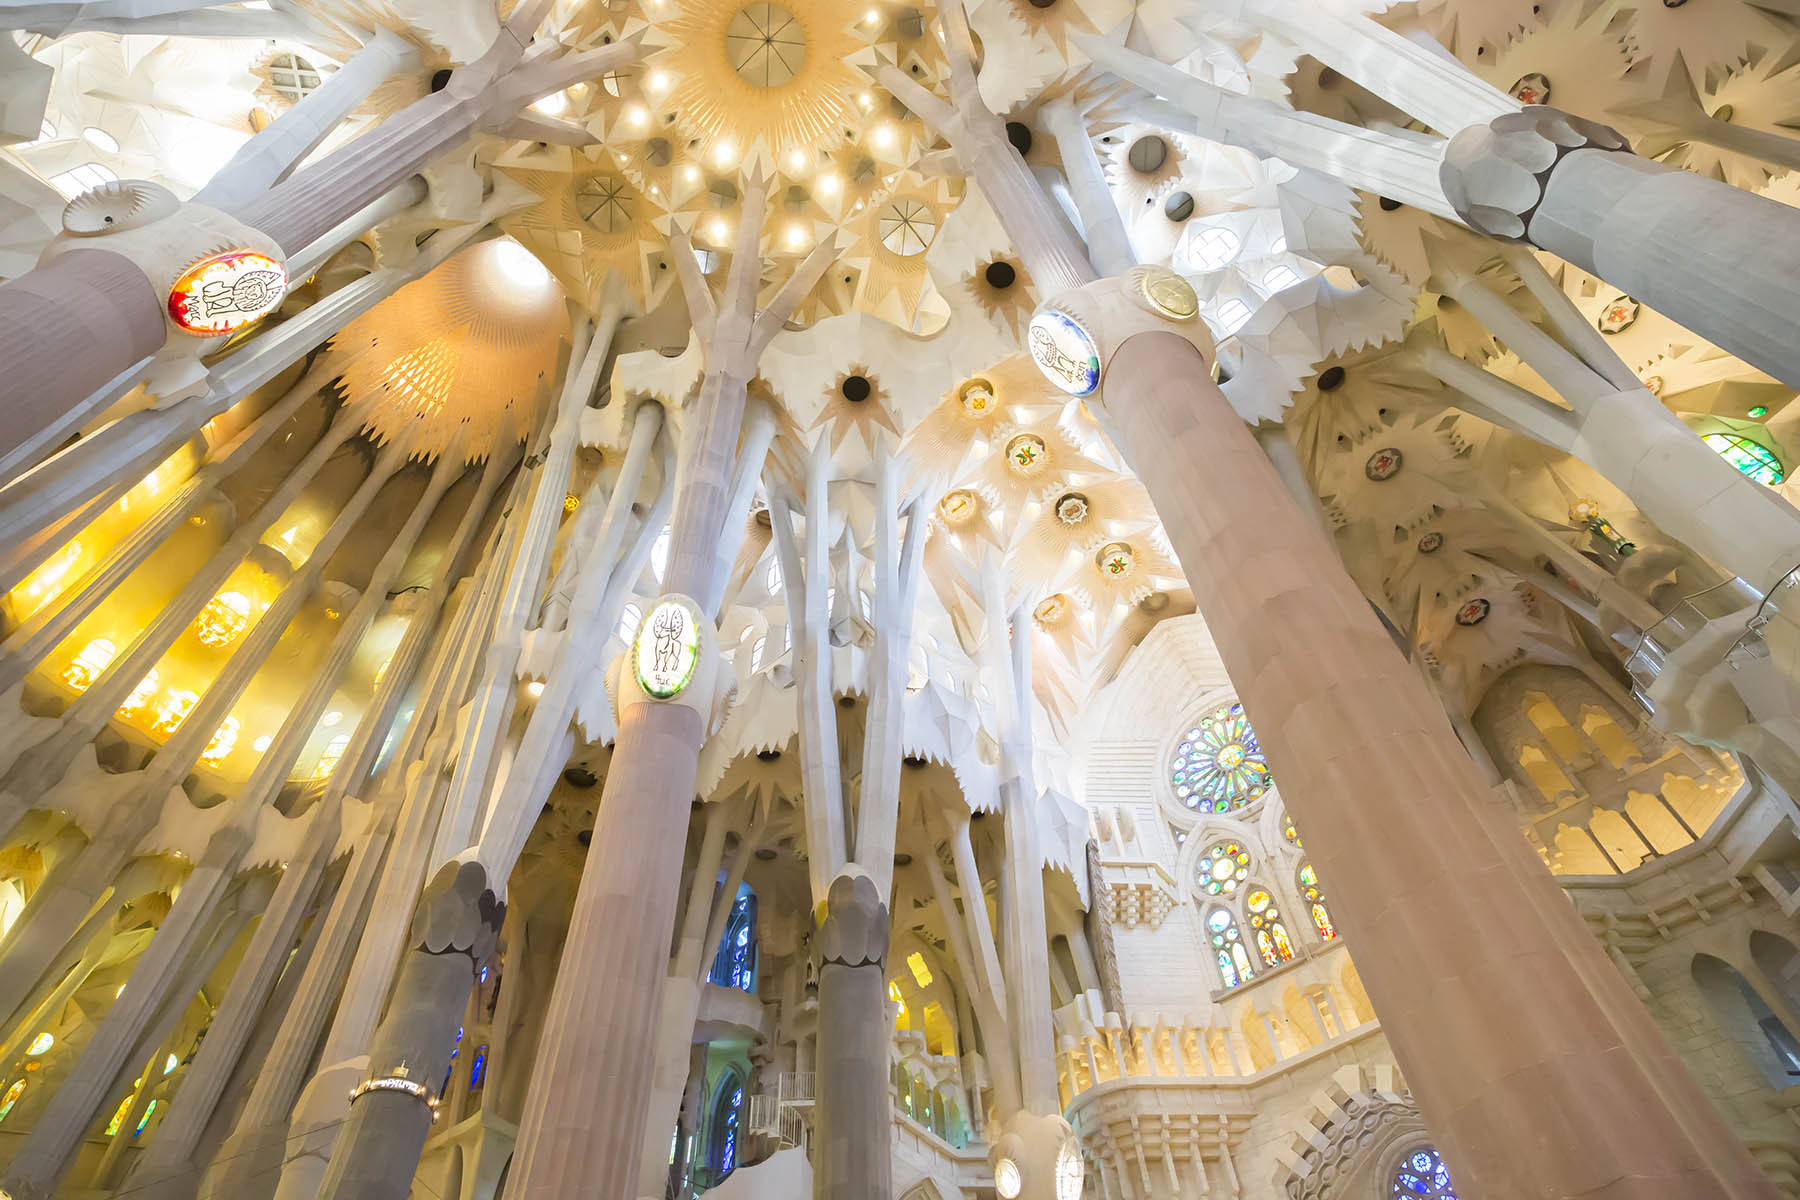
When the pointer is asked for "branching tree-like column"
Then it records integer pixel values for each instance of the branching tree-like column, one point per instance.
(87, 314)
(851, 890)
(583, 1123)
(1616, 425)
(1722, 261)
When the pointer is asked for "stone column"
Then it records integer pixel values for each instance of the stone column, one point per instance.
(453, 934)
(1719, 260)
(1541, 1074)
(582, 1128)
(67, 328)
(852, 1159)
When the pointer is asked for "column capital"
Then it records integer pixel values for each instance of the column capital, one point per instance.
(854, 932)
(458, 912)
(1494, 175)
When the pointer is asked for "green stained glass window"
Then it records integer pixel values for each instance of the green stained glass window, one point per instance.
(1749, 457)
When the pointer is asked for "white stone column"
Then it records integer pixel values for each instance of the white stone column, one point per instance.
(1108, 243)
(272, 154)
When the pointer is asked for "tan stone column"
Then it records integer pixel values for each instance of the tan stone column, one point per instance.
(1540, 1073)
(585, 1111)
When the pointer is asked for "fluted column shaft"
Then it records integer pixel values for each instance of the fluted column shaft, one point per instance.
(1540, 1073)
(852, 1155)
(584, 1118)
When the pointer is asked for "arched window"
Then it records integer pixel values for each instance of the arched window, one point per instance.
(734, 964)
(11, 1098)
(1222, 868)
(1749, 457)
(1218, 765)
(1315, 902)
(727, 1113)
(1273, 945)
(1422, 1173)
(1228, 947)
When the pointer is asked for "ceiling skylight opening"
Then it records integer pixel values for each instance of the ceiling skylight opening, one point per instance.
(1232, 315)
(101, 140)
(518, 268)
(1210, 249)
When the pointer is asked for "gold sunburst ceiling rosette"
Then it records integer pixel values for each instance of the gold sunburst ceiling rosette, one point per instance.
(760, 79)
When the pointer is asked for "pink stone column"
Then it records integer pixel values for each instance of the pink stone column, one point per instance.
(65, 329)
(583, 1126)
(1539, 1072)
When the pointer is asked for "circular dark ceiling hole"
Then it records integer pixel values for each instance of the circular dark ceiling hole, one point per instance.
(585, 837)
(1000, 276)
(1331, 379)
(855, 389)
(766, 854)
(1389, 205)
(1148, 154)
(580, 777)
(1179, 206)
(440, 80)
(1019, 134)
(768, 755)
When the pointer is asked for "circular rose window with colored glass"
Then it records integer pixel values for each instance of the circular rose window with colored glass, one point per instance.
(1219, 766)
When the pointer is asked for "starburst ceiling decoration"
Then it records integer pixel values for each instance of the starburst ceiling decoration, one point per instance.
(454, 363)
(758, 81)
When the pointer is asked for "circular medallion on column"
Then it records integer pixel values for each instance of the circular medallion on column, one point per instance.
(1065, 352)
(226, 292)
(1473, 613)
(1163, 292)
(1071, 1171)
(666, 650)
(1384, 464)
(1007, 1180)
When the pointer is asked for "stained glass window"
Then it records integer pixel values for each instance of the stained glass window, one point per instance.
(728, 1106)
(1219, 766)
(1222, 868)
(1228, 946)
(734, 964)
(11, 1098)
(1273, 945)
(1315, 902)
(1289, 832)
(1749, 457)
(1423, 1174)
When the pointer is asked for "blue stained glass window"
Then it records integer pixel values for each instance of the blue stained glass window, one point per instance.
(478, 1071)
(1423, 1173)
(734, 965)
(728, 1107)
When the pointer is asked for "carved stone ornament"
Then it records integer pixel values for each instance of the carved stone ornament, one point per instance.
(1494, 175)
(855, 932)
(458, 912)
(216, 274)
